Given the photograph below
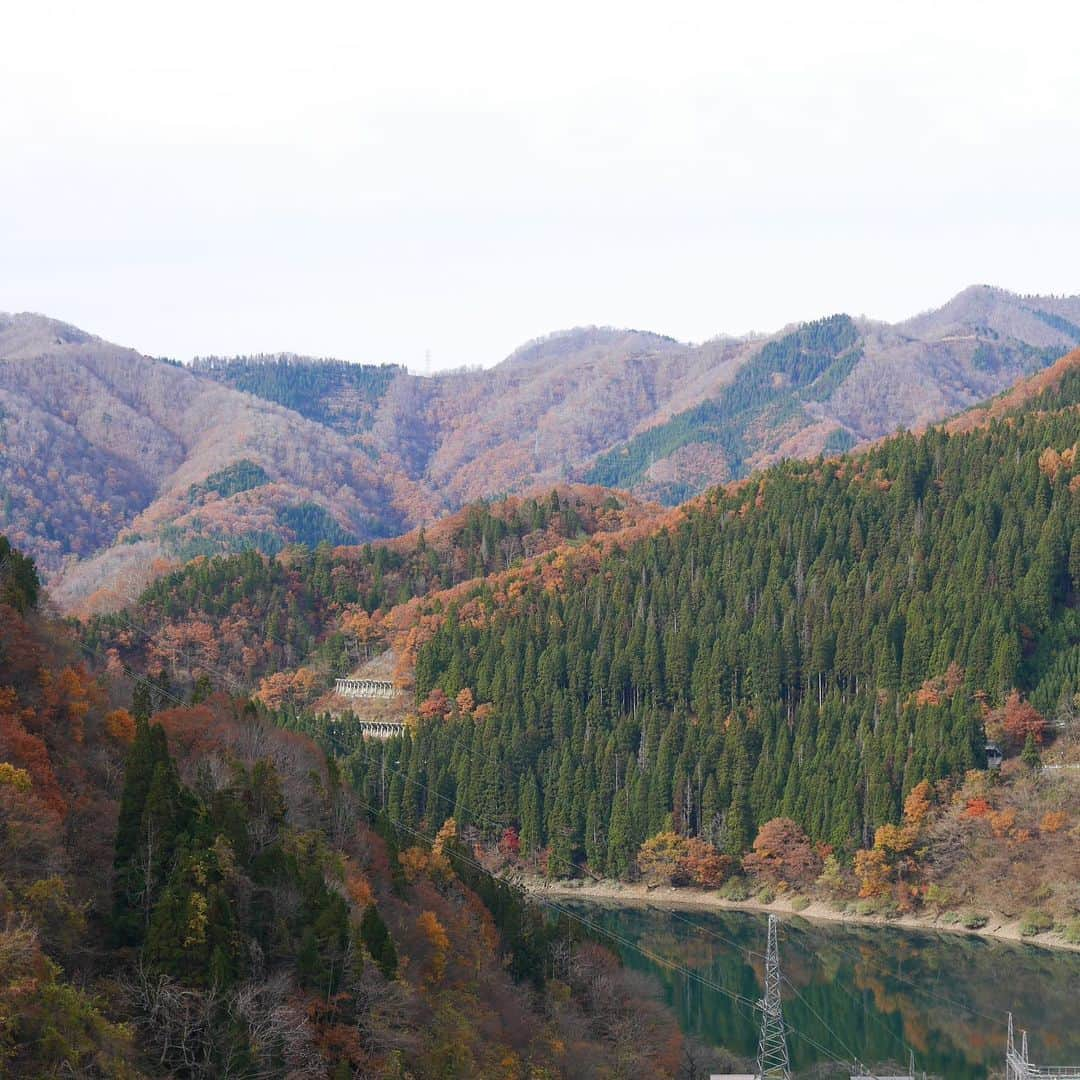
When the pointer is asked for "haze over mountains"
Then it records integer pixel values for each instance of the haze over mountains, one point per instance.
(113, 464)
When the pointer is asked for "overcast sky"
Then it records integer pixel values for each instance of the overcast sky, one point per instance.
(378, 180)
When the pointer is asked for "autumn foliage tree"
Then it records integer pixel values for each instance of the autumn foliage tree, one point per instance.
(892, 863)
(438, 945)
(669, 858)
(1018, 719)
(783, 854)
(435, 706)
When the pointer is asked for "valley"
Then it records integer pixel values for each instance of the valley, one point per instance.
(886, 990)
(326, 710)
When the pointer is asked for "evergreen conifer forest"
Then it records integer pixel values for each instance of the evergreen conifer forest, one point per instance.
(810, 645)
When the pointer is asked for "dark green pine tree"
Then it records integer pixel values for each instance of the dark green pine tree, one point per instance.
(377, 941)
(531, 836)
(1030, 755)
(621, 845)
(135, 864)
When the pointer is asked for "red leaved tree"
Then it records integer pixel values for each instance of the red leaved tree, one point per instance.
(783, 853)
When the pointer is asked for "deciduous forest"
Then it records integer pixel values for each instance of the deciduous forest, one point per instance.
(189, 890)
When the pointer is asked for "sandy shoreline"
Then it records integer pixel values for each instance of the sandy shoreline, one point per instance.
(669, 897)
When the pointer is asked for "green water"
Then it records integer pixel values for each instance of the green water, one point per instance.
(871, 992)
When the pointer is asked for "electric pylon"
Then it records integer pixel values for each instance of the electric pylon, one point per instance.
(772, 1058)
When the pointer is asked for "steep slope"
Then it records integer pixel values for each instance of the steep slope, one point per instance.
(637, 410)
(114, 466)
(295, 621)
(786, 401)
(810, 645)
(533, 419)
(101, 444)
(191, 891)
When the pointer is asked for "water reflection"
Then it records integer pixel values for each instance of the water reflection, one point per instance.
(870, 991)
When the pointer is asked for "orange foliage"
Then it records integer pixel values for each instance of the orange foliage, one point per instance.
(295, 687)
(439, 943)
(447, 832)
(872, 870)
(1002, 821)
(1051, 462)
(435, 706)
(783, 852)
(704, 865)
(1019, 719)
(67, 697)
(1053, 821)
(934, 691)
(414, 863)
(360, 893)
(120, 725)
(356, 622)
(977, 808)
(890, 860)
(28, 751)
(894, 840)
(682, 860)
(918, 804)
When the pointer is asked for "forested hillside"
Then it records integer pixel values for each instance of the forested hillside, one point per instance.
(187, 890)
(341, 395)
(811, 646)
(809, 362)
(115, 467)
(312, 613)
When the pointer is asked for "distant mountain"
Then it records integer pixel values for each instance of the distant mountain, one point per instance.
(637, 410)
(114, 465)
(832, 384)
(109, 454)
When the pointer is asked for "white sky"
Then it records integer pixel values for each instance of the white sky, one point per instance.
(374, 180)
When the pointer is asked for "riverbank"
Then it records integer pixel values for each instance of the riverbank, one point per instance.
(667, 896)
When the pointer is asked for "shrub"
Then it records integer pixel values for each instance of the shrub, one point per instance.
(938, 896)
(950, 918)
(800, 903)
(1035, 922)
(882, 907)
(831, 879)
(973, 920)
(766, 895)
(1071, 932)
(736, 890)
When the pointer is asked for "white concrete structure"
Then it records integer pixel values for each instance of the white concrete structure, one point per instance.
(365, 688)
(373, 729)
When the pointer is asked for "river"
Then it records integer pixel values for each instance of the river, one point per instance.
(853, 990)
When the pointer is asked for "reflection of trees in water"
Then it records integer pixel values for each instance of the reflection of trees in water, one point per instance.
(879, 988)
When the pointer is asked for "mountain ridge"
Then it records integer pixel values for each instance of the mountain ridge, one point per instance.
(99, 493)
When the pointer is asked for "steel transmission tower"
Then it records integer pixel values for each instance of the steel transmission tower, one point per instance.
(772, 1057)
